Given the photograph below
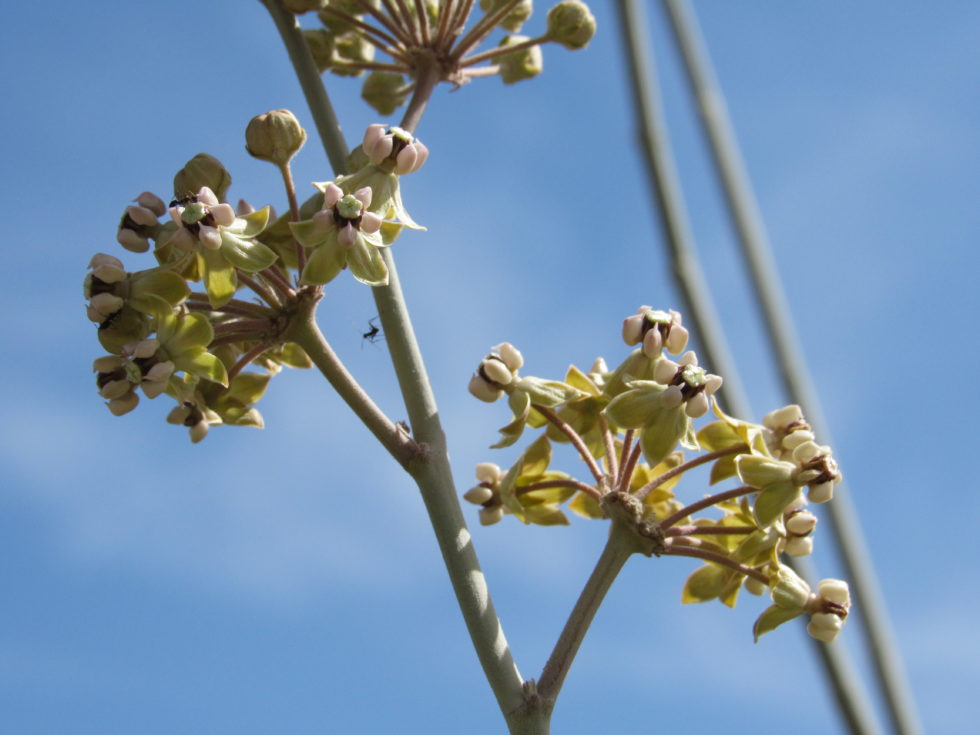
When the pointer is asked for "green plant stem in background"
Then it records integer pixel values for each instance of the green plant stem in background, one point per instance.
(432, 474)
(772, 302)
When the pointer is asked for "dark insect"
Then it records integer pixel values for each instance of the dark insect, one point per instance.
(184, 200)
(373, 334)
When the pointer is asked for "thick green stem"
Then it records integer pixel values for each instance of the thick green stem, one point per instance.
(430, 469)
(619, 546)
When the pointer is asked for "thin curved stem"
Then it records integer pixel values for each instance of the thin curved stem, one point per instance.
(245, 359)
(631, 462)
(304, 331)
(682, 468)
(716, 558)
(706, 503)
(574, 438)
(503, 51)
(481, 29)
(545, 484)
(262, 291)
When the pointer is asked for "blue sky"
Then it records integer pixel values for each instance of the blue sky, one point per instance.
(286, 580)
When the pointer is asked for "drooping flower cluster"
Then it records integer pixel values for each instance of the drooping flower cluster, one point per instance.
(628, 426)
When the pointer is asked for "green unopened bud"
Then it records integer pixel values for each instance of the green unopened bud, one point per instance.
(202, 170)
(351, 48)
(274, 136)
(385, 91)
(522, 64)
(571, 24)
(321, 45)
(514, 19)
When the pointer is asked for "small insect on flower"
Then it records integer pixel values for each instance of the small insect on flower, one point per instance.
(373, 334)
(183, 201)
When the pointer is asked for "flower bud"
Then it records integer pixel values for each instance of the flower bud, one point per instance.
(202, 170)
(151, 201)
(478, 495)
(488, 472)
(514, 19)
(483, 390)
(799, 546)
(123, 405)
(385, 91)
(836, 591)
(571, 24)
(497, 371)
(511, 356)
(824, 626)
(274, 136)
(489, 516)
(519, 65)
(321, 45)
(801, 523)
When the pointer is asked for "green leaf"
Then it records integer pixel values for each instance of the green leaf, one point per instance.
(220, 280)
(635, 408)
(544, 515)
(718, 435)
(762, 472)
(537, 457)
(366, 264)
(292, 355)
(324, 263)
(249, 255)
(192, 331)
(309, 235)
(662, 433)
(771, 618)
(722, 469)
(251, 224)
(157, 284)
(771, 502)
(203, 365)
(586, 506)
(635, 367)
(580, 381)
(248, 388)
(705, 584)
(548, 393)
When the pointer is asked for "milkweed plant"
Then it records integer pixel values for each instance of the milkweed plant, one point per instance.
(230, 298)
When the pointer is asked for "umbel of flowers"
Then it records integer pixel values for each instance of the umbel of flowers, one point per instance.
(164, 335)
(631, 427)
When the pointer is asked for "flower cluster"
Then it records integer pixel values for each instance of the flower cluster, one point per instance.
(412, 34)
(164, 336)
(631, 426)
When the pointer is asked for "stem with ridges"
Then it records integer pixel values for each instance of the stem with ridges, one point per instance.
(431, 471)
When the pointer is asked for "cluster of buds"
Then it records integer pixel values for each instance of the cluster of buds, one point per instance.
(628, 425)
(657, 330)
(798, 526)
(486, 493)
(140, 222)
(496, 372)
(411, 34)
(792, 597)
